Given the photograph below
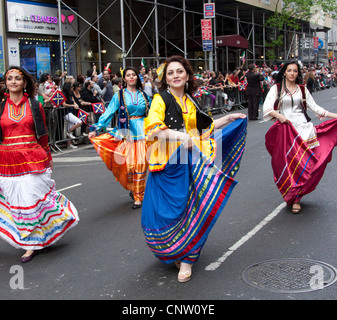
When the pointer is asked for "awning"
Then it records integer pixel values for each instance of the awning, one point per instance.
(233, 40)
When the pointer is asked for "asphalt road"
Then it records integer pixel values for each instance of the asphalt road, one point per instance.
(105, 256)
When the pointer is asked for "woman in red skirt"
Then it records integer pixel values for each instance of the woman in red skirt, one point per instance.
(300, 151)
(32, 214)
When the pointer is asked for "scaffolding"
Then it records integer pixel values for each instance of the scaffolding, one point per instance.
(250, 27)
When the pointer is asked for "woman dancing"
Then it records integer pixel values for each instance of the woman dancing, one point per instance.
(300, 151)
(33, 215)
(123, 150)
(188, 184)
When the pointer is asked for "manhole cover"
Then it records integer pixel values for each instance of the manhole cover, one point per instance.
(290, 275)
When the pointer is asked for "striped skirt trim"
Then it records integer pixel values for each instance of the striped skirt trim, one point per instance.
(297, 167)
(178, 218)
(32, 214)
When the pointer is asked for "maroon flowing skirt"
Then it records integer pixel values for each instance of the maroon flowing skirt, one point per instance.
(297, 168)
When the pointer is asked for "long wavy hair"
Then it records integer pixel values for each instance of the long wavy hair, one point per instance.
(30, 82)
(280, 78)
(192, 84)
(138, 84)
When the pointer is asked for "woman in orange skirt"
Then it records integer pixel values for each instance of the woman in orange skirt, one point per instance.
(123, 149)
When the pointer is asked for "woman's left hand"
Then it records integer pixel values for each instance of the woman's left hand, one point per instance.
(235, 116)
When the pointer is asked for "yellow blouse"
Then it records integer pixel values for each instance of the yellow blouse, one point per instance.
(159, 150)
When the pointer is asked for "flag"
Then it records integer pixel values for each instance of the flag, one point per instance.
(160, 71)
(98, 107)
(142, 63)
(82, 115)
(243, 56)
(57, 98)
(242, 85)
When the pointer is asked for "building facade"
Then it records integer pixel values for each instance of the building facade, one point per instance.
(124, 32)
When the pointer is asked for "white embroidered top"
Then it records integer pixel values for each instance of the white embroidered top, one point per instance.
(295, 113)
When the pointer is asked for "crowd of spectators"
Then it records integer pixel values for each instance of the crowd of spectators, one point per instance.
(216, 90)
(224, 89)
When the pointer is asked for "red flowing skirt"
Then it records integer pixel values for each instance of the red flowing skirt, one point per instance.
(126, 160)
(297, 168)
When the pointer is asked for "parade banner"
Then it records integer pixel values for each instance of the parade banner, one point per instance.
(98, 107)
(57, 98)
(82, 115)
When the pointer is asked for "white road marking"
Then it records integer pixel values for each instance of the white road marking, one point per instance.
(214, 265)
(70, 187)
(77, 159)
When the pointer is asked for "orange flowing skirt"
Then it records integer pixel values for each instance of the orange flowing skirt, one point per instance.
(126, 160)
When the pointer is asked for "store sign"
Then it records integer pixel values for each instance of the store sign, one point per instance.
(315, 42)
(206, 33)
(209, 10)
(33, 18)
(42, 60)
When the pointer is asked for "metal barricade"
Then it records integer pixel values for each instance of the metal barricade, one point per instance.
(57, 127)
(216, 101)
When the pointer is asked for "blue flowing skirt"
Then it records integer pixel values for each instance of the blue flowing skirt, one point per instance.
(183, 201)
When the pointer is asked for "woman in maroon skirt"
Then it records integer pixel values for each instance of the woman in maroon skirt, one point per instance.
(300, 151)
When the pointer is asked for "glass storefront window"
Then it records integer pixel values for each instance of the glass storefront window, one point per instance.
(40, 56)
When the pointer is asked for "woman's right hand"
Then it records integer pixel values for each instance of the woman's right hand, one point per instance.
(92, 134)
(187, 141)
(282, 118)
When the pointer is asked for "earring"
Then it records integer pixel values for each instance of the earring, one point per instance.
(186, 86)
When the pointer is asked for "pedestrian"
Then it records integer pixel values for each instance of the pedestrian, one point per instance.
(105, 83)
(124, 149)
(253, 91)
(33, 215)
(89, 95)
(118, 82)
(142, 72)
(300, 151)
(186, 189)
(67, 113)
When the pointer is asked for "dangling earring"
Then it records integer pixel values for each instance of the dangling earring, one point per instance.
(168, 88)
(186, 86)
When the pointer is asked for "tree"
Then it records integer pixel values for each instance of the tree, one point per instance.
(289, 14)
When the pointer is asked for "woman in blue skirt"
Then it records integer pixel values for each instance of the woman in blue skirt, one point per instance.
(192, 162)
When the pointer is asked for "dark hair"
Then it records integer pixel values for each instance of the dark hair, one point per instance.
(57, 80)
(80, 78)
(30, 83)
(280, 78)
(117, 80)
(280, 75)
(44, 77)
(76, 85)
(251, 66)
(192, 85)
(67, 92)
(138, 84)
(87, 83)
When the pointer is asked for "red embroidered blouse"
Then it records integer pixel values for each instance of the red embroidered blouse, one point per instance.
(20, 151)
